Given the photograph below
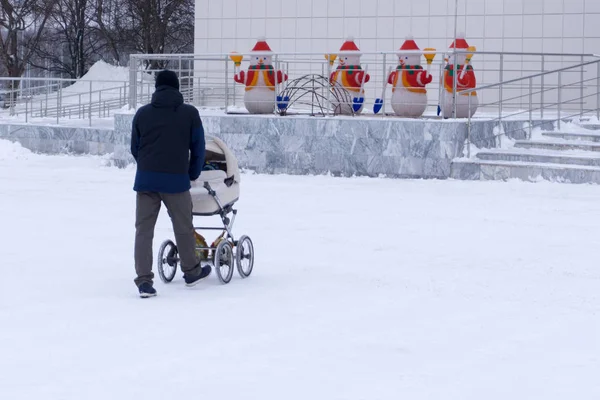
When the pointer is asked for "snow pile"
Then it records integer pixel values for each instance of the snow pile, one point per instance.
(536, 133)
(120, 158)
(13, 150)
(574, 126)
(107, 82)
(593, 120)
(100, 71)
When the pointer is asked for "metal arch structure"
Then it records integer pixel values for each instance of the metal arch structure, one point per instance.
(315, 91)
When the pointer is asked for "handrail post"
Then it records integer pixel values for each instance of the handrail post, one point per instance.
(141, 85)
(454, 81)
(58, 85)
(500, 88)
(530, 106)
(13, 97)
(543, 88)
(90, 107)
(383, 83)
(559, 97)
(179, 70)
(226, 85)
(312, 103)
(59, 99)
(323, 88)
(287, 72)
(328, 87)
(469, 128)
(500, 99)
(276, 67)
(132, 81)
(441, 91)
(46, 105)
(581, 92)
(598, 90)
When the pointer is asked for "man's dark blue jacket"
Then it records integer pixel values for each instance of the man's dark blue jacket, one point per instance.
(167, 142)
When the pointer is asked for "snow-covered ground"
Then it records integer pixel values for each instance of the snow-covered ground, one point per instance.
(362, 289)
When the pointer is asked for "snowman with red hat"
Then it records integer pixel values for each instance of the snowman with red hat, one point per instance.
(350, 76)
(260, 79)
(460, 63)
(409, 96)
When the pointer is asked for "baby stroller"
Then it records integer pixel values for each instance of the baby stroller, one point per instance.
(214, 193)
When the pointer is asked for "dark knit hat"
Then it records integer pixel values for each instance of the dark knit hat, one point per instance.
(167, 78)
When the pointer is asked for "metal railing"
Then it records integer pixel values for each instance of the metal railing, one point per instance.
(194, 89)
(509, 86)
(60, 99)
(209, 79)
(551, 97)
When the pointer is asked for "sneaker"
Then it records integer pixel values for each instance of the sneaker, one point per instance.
(191, 280)
(146, 290)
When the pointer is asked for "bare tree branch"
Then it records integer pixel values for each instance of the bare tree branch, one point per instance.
(23, 22)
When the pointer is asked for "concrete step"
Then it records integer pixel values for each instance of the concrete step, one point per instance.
(574, 157)
(473, 169)
(590, 125)
(590, 136)
(557, 144)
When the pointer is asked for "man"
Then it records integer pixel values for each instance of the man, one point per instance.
(167, 142)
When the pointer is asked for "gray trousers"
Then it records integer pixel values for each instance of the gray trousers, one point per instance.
(179, 207)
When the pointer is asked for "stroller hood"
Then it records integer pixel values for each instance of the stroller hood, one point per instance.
(217, 146)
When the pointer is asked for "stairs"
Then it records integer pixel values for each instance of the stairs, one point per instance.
(590, 125)
(572, 157)
(587, 136)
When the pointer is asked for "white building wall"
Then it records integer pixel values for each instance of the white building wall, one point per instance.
(558, 26)
(319, 25)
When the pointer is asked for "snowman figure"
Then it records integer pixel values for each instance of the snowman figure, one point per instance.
(409, 96)
(350, 76)
(260, 79)
(466, 104)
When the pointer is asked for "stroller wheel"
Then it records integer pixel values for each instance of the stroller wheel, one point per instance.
(224, 261)
(244, 256)
(168, 258)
